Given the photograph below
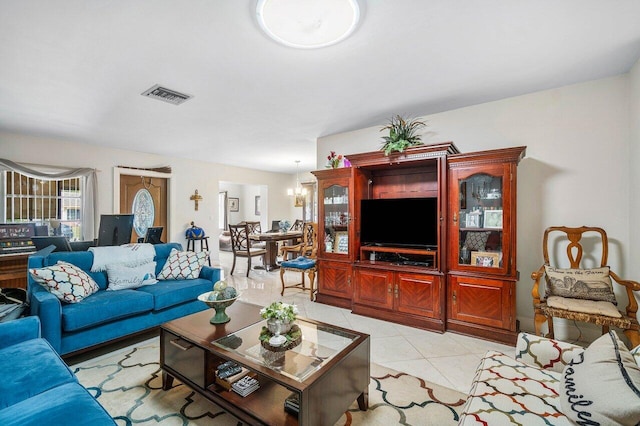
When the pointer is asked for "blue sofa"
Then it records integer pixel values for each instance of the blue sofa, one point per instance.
(37, 388)
(109, 315)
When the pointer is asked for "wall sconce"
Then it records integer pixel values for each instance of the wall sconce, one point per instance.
(298, 192)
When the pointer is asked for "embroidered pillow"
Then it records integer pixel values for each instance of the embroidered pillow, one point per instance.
(183, 265)
(66, 281)
(602, 385)
(122, 277)
(590, 284)
(476, 240)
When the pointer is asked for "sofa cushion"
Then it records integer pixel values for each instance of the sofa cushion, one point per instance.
(103, 307)
(545, 353)
(122, 277)
(589, 284)
(506, 391)
(82, 259)
(170, 293)
(602, 385)
(30, 368)
(66, 281)
(183, 265)
(69, 404)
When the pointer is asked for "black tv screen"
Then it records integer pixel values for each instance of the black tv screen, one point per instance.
(115, 229)
(403, 222)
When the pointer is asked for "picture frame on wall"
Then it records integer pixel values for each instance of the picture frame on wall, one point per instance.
(234, 204)
(257, 211)
(493, 219)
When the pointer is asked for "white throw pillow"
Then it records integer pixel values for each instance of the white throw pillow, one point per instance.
(602, 385)
(122, 277)
(183, 265)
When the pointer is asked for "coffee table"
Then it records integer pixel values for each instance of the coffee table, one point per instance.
(328, 370)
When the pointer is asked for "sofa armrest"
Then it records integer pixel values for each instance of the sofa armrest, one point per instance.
(210, 273)
(48, 309)
(19, 330)
(545, 353)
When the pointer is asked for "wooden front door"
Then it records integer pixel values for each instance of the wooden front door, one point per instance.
(157, 187)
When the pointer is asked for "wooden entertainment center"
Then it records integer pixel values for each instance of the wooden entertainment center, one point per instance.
(467, 283)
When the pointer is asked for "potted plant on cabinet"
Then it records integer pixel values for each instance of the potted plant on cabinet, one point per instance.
(402, 134)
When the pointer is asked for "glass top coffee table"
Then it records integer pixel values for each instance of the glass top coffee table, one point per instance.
(328, 369)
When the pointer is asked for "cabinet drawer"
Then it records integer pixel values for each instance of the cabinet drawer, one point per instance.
(184, 357)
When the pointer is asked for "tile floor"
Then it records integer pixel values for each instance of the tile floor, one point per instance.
(447, 359)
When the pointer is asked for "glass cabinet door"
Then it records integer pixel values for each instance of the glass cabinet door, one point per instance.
(336, 219)
(480, 220)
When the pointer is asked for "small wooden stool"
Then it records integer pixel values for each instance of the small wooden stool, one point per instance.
(204, 244)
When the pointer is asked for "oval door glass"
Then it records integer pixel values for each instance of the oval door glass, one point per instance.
(143, 212)
(480, 218)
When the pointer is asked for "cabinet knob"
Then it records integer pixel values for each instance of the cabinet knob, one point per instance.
(389, 288)
(454, 297)
(455, 218)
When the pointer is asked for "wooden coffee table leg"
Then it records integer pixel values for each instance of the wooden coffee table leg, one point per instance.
(363, 401)
(167, 381)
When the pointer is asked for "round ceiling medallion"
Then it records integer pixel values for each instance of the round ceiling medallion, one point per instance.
(308, 24)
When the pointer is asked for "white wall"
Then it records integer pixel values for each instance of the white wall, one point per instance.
(188, 175)
(634, 162)
(576, 171)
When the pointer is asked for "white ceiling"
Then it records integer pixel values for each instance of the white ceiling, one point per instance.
(75, 69)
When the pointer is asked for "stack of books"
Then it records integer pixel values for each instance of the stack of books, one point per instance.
(292, 404)
(245, 386)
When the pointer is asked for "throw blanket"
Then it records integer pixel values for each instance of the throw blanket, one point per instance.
(128, 255)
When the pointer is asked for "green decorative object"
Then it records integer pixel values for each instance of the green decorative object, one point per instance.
(402, 134)
(220, 306)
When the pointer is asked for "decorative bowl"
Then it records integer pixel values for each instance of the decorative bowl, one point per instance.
(219, 305)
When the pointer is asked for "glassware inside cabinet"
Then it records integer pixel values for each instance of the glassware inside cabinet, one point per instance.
(480, 217)
(336, 219)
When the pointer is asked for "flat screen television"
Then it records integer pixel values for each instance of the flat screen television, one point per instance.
(153, 235)
(400, 222)
(115, 229)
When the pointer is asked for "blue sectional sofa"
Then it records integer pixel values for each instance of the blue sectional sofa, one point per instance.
(109, 315)
(37, 388)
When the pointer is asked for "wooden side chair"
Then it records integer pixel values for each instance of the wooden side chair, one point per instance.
(305, 263)
(255, 228)
(306, 246)
(241, 246)
(578, 293)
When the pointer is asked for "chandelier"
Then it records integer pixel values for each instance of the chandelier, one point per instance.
(298, 192)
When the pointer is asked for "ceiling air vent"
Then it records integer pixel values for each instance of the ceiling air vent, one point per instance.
(167, 95)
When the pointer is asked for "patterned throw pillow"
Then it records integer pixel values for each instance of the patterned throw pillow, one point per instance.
(602, 385)
(122, 277)
(183, 265)
(476, 240)
(65, 281)
(590, 284)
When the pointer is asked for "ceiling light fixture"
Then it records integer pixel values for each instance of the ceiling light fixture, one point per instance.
(299, 192)
(308, 24)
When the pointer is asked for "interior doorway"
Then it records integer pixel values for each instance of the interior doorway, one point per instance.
(145, 189)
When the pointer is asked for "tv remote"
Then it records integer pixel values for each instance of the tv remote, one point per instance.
(231, 371)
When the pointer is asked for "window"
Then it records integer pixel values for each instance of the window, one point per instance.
(29, 199)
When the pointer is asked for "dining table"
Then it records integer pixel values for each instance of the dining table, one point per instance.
(271, 239)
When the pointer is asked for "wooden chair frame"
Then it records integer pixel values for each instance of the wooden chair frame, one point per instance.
(575, 250)
(241, 246)
(308, 248)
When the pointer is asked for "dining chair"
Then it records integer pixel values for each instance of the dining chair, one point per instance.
(241, 246)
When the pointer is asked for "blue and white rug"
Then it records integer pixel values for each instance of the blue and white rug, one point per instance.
(128, 384)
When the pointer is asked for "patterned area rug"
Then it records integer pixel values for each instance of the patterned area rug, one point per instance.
(128, 384)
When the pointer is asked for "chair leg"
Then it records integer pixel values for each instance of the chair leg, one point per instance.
(633, 336)
(233, 266)
(551, 334)
(282, 280)
(248, 265)
(538, 319)
(312, 277)
(302, 283)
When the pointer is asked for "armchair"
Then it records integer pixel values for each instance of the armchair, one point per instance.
(579, 293)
